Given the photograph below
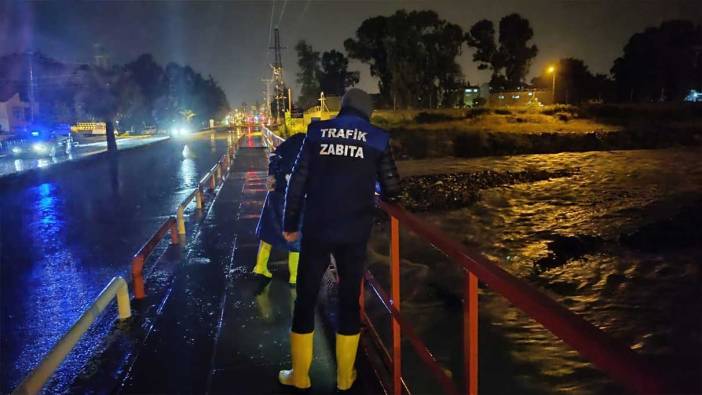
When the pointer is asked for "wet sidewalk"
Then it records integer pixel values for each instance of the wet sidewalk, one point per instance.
(222, 329)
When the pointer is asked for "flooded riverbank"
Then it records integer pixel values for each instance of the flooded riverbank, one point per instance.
(597, 238)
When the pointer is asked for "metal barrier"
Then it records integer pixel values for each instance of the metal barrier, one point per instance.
(213, 176)
(146, 250)
(618, 361)
(116, 288)
(176, 225)
(270, 139)
(199, 197)
(211, 179)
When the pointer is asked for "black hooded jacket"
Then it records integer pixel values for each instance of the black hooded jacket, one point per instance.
(334, 179)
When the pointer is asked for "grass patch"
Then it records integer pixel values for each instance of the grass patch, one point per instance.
(550, 129)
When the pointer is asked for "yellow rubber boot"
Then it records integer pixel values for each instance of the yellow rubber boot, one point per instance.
(301, 352)
(264, 252)
(293, 259)
(346, 347)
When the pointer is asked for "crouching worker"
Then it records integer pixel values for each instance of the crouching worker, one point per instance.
(331, 191)
(269, 229)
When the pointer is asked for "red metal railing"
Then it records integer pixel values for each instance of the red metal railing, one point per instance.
(618, 361)
(146, 250)
(177, 225)
(270, 139)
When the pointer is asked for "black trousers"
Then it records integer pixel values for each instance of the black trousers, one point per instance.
(314, 260)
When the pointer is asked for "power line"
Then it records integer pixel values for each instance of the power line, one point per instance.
(300, 18)
(270, 24)
(282, 12)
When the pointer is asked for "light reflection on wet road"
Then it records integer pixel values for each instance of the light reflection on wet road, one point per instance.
(62, 240)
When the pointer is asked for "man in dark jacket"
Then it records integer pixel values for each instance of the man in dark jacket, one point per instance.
(333, 183)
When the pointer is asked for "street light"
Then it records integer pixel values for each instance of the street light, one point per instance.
(552, 71)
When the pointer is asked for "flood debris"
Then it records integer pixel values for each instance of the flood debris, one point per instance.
(451, 191)
(565, 248)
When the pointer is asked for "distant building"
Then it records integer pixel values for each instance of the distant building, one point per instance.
(520, 97)
(15, 114)
(100, 57)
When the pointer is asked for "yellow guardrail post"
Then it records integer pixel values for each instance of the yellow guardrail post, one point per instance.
(213, 182)
(199, 197)
(181, 220)
(117, 288)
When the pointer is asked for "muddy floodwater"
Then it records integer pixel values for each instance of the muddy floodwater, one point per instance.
(614, 236)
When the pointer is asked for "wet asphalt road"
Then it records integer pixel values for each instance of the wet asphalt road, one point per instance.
(62, 239)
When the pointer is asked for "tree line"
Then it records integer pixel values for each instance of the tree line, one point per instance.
(413, 56)
(134, 96)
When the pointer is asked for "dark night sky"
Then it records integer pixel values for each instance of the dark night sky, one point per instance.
(229, 39)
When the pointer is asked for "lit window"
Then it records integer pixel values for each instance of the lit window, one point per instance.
(500, 97)
(515, 97)
(530, 93)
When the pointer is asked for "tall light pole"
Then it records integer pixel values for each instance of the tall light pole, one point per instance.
(552, 70)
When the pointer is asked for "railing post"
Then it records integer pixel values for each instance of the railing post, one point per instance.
(137, 278)
(395, 295)
(180, 220)
(218, 171)
(174, 232)
(124, 309)
(199, 197)
(470, 332)
(213, 182)
(362, 299)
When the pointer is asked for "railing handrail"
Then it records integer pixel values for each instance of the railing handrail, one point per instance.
(189, 198)
(148, 247)
(271, 139)
(620, 362)
(116, 288)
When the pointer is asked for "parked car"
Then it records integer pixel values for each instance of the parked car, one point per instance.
(39, 142)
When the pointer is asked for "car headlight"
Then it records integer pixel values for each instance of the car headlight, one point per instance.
(180, 131)
(40, 148)
(16, 150)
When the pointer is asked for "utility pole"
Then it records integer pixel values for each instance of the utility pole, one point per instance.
(279, 83)
(290, 100)
(31, 87)
(267, 96)
(322, 102)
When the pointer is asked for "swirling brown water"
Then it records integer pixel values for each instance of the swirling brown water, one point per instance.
(648, 297)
